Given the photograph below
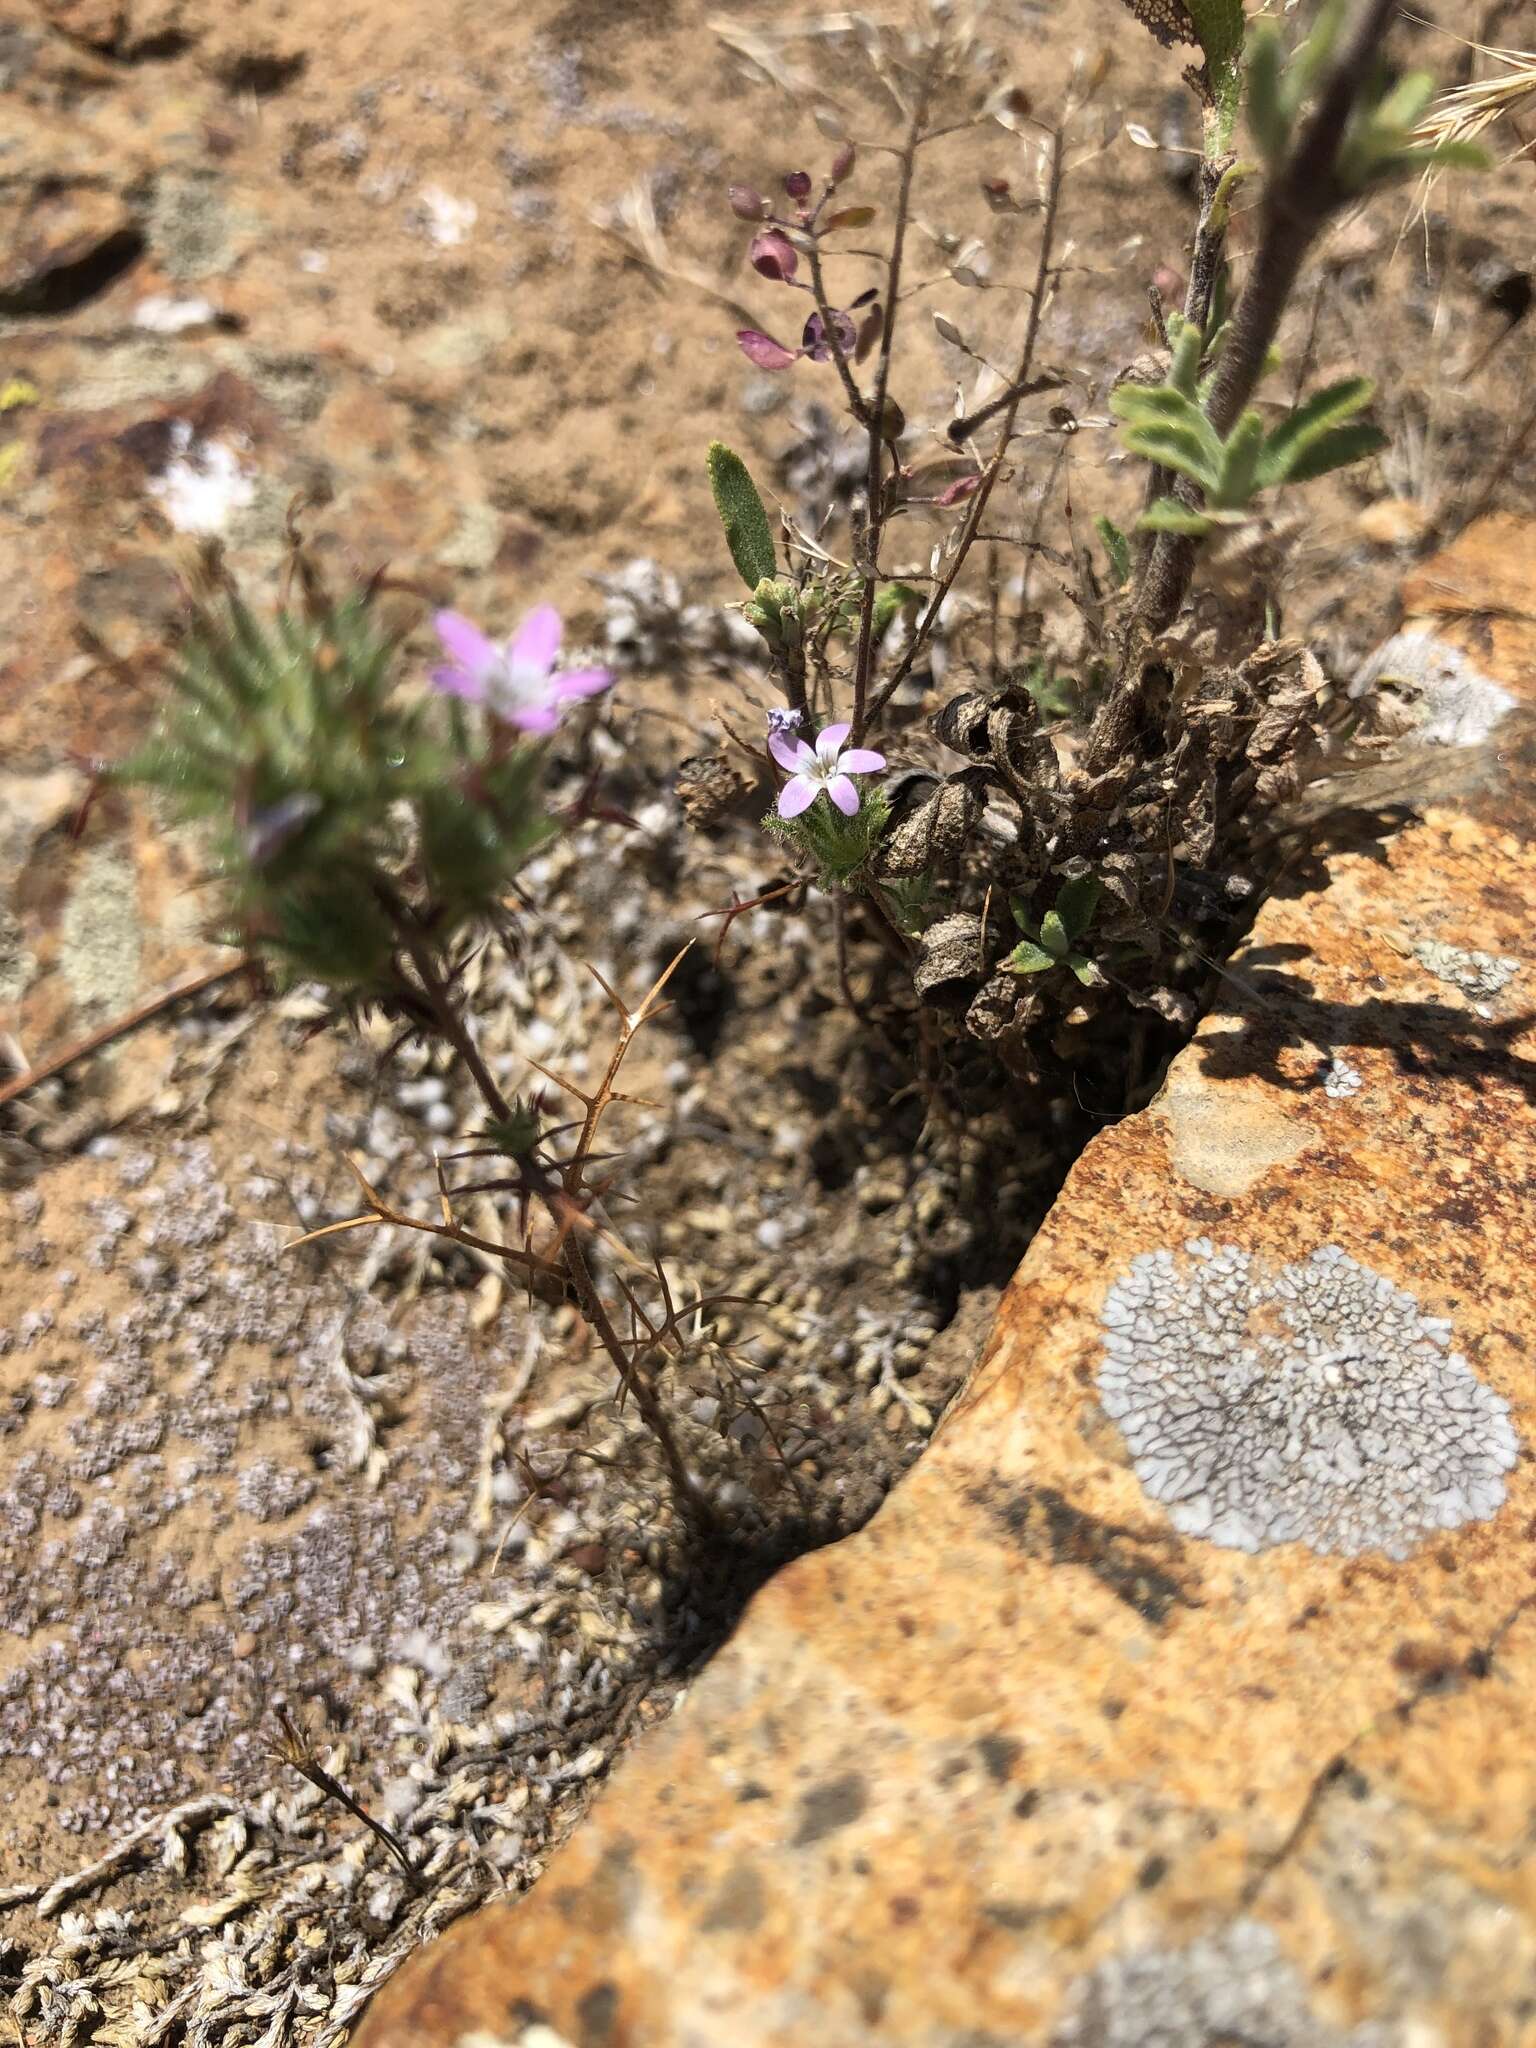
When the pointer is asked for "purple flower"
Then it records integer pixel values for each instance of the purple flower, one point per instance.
(827, 766)
(516, 682)
(784, 719)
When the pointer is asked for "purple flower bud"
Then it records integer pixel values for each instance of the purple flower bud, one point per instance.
(763, 350)
(747, 204)
(843, 163)
(798, 184)
(783, 718)
(773, 255)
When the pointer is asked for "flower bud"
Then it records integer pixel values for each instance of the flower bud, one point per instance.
(747, 204)
(798, 184)
(843, 163)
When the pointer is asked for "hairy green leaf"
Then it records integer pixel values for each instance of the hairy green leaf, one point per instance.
(1076, 902)
(1167, 515)
(1181, 448)
(1335, 449)
(1324, 409)
(747, 532)
(1117, 549)
(1027, 958)
(1240, 461)
(1053, 936)
(1268, 117)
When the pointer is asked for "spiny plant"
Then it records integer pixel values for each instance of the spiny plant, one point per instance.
(365, 837)
(348, 826)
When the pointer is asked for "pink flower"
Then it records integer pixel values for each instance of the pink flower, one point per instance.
(827, 766)
(516, 682)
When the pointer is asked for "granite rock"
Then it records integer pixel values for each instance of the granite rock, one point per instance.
(1184, 1719)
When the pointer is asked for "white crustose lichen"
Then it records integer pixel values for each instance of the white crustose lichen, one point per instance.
(1315, 1405)
(1234, 1985)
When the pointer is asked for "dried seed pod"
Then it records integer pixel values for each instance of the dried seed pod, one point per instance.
(937, 831)
(962, 725)
(950, 961)
(709, 787)
(1019, 750)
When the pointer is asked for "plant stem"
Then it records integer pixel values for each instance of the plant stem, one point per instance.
(652, 1411)
(874, 514)
(989, 476)
(1207, 257)
(1298, 203)
(851, 390)
(453, 1027)
(572, 1254)
(119, 1027)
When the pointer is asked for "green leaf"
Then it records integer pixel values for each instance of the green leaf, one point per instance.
(1085, 971)
(1403, 107)
(1116, 548)
(1335, 449)
(1219, 25)
(1452, 156)
(1267, 116)
(849, 217)
(890, 599)
(1029, 959)
(1076, 902)
(1151, 404)
(1324, 409)
(1054, 936)
(747, 532)
(1188, 348)
(1167, 515)
(1178, 448)
(1311, 57)
(1240, 461)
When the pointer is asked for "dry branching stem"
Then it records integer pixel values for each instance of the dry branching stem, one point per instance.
(292, 1747)
(977, 506)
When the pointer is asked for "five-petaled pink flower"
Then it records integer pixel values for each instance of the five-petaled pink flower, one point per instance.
(517, 681)
(826, 766)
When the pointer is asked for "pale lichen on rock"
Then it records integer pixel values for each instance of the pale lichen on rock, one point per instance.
(1317, 1405)
(1234, 1985)
(1475, 973)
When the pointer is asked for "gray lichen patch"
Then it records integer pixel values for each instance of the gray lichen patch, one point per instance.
(1475, 973)
(1233, 1986)
(101, 936)
(1316, 1405)
(1422, 684)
